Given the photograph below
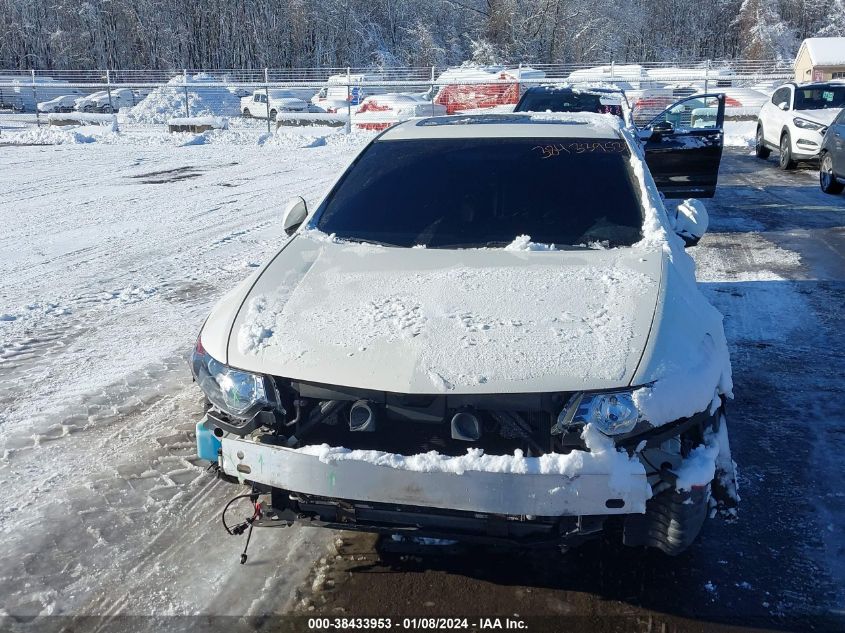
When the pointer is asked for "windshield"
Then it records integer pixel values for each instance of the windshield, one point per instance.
(820, 97)
(569, 101)
(470, 193)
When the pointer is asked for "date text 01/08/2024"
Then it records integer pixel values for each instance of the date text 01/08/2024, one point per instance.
(412, 624)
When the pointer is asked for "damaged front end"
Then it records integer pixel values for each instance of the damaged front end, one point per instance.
(535, 469)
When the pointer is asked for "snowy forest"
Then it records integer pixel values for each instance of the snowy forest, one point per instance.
(212, 34)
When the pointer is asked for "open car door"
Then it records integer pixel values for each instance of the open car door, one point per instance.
(683, 146)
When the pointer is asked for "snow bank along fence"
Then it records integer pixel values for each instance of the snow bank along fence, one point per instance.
(362, 97)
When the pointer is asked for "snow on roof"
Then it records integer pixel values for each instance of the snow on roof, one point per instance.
(825, 51)
(618, 71)
(518, 125)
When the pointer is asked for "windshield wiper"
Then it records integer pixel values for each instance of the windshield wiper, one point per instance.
(364, 240)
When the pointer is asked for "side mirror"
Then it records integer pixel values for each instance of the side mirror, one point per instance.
(295, 213)
(691, 221)
(663, 127)
(783, 105)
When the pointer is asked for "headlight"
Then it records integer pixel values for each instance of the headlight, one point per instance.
(804, 124)
(240, 394)
(612, 413)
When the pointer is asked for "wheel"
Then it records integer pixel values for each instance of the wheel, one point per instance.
(760, 149)
(786, 161)
(247, 113)
(827, 181)
(672, 520)
(107, 109)
(273, 114)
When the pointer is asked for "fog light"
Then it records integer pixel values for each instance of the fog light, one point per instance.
(466, 426)
(362, 417)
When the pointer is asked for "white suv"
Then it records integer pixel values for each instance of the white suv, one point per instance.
(794, 120)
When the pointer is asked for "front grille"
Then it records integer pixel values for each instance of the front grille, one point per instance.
(408, 424)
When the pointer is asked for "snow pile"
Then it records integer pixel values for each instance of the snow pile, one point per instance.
(740, 133)
(524, 243)
(167, 102)
(58, 135)
(626, 473)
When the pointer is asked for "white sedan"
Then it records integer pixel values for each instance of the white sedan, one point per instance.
(488, 329)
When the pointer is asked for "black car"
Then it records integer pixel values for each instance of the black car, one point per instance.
(572, 99)
(682, 144)
(832, 157)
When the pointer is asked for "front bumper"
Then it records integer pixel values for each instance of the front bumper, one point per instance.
(591, 492)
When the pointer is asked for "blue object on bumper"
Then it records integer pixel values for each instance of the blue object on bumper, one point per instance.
(207, 443)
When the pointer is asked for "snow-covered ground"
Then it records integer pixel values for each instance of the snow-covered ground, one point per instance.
(111, 256)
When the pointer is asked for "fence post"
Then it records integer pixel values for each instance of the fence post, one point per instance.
(432, 90)
(707, 77)
(185, 84)
(267, 94)
(108, 89)
(35, 99)
(612, 71)
(348, 100)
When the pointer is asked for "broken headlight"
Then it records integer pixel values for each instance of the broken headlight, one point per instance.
(612, 413)
(240, 394)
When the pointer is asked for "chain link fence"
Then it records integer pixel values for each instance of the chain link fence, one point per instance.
(365, 98)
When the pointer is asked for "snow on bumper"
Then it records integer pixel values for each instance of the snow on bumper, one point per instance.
(576, 484)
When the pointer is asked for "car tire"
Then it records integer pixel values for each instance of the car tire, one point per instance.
(672, 520)
(760, 149)
(273, 114)
(247, 113)
(786, 161)
(827, 180)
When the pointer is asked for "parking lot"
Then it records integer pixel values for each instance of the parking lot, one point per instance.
(116, 255)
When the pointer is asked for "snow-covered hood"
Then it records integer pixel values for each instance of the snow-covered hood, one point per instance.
(824, 116)
(442, 321)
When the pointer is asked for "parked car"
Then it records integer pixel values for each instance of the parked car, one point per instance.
(794, 120)
(336, 96)
(412, 361)
(104, 102)
(832, 157)
(379, 112)
(64, 103)
(603, 100)
(268, 103)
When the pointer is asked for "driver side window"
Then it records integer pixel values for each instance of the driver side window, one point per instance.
(691, 113)
(782, 95)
